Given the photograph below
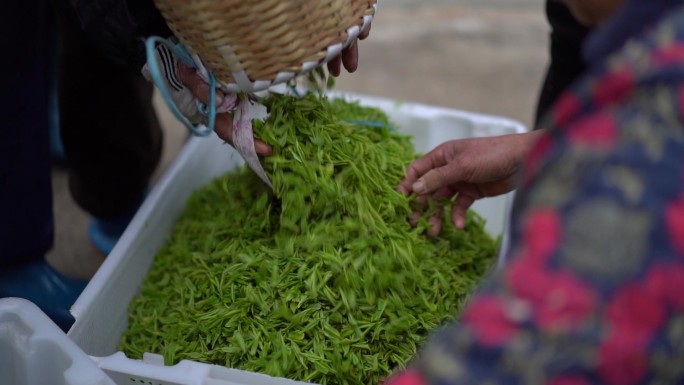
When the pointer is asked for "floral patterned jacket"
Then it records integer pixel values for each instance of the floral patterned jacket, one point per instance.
(594, 288)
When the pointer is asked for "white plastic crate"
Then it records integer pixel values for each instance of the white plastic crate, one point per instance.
(101, 311)
(35, 351)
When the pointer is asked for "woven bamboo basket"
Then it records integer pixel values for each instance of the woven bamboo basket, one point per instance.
(250, 45)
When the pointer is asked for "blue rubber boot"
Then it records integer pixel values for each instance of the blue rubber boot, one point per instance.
(39, 283)
(105, 233)
(56, 147)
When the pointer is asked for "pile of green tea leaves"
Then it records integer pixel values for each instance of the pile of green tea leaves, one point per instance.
(321, 280)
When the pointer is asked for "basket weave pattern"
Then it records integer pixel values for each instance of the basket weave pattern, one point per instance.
(267, 40)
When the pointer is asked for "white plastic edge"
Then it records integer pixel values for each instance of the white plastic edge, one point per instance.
(151, 370)
(82, 371)
(431, 111)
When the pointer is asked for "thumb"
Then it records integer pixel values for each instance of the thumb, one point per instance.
(437, 178)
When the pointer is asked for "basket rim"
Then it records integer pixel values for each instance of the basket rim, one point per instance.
(241, 81)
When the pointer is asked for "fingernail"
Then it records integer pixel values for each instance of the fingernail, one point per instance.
(414, 218)
(460, 223)
(218, 101)
(418, 187)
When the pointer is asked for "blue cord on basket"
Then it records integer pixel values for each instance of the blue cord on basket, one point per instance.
(182, 54)
(179, 50)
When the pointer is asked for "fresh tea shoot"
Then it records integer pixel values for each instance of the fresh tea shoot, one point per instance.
(322, 279)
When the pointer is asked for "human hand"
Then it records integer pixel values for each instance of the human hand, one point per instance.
(349, 57)
(468, 169)
(224, 121)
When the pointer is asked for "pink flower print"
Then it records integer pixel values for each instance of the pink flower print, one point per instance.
(529, 281)
(596, 131)
(541, 233)
(534, 159)
(566, 303)
(672, 54)
(622, 359)
(407, 377)
(633, 315)
(613, 86)
(637, 313)
(559, 300)
(674, 220)
(665, 283)
(486, 317)
(567, 106)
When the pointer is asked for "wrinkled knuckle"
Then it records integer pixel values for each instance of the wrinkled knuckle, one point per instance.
(441, 150)
(447, 153)
(466, 166)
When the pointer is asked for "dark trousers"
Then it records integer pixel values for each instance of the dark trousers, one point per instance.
(109, 129)
(110, 133)
(26, 221)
